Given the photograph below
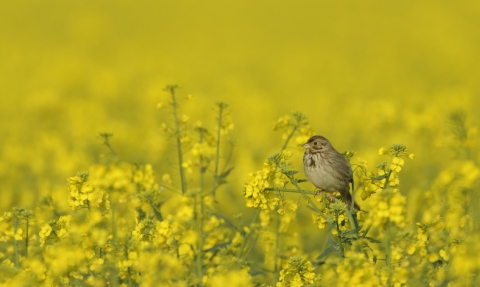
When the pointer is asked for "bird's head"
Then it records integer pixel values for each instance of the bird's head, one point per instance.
(316, 143)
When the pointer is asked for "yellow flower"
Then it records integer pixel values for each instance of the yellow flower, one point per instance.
(226, 124)
(89, 254)
(187, 165)
(433, 257)
(45, 232)
(319, 220)
(397, 164)
(197, 124)
(19, 234)
(184, 118)
(411, 248)
(62, 233)
(444, 254)
(382, 151)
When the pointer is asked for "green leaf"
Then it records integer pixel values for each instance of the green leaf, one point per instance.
(226, 173)
(324, 253)
(333, 247)
(217, 247)
(365, 232)
(291, 172)
(379, 177)
(351, 231)
(373, 240)
(221, 179)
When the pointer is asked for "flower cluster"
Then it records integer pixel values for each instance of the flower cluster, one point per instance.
(55, 230)
(384, 176)
(387, 207)
(353, 270)
(298, 272)
(258, 190)
(225, 118)
(297, 124)
(84, 195)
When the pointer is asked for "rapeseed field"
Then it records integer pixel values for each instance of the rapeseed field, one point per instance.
(160, 143)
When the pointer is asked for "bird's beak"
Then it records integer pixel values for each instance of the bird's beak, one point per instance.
(305, 145)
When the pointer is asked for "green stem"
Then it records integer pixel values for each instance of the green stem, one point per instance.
(387, 179)
(276, 271)
(353, 199)
(199, 255)
(289, 190)
(314, 206)
(15, 243)
(171, 90)
(339, 232)
(388, 254)
(106, 141)
(289, 137)
(26, 239)
(240, 254)
(217, 157)
(352, 218)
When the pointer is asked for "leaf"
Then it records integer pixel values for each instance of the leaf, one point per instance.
(351, 231)
(158, 214)
(226, 173)
(324, 253)
(379, 177)
(219, 216)
(334, 247)
(302, 180)
(217, 247)
(291, 172)
(373, 240)
(365, 232)
(221, 178)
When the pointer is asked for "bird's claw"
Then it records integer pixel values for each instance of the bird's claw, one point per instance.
(331, 196)
(318, 192)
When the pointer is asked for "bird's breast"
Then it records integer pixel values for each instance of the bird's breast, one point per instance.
(322, 175)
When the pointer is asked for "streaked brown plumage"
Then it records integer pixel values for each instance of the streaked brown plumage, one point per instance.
(327, 169)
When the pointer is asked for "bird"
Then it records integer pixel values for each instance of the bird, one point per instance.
(328, 170)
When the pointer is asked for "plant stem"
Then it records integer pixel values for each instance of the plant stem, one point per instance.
(314, 206)
(276, 271)
(339, 232)
(387, 179)
(15, 243)
(171, 90)
(289, 190)
(240, 251)
(289, 137)
(26, 238)
(221, 107)
(388, 254)
(199, 255)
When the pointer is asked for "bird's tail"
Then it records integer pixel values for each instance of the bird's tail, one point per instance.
(347, 197)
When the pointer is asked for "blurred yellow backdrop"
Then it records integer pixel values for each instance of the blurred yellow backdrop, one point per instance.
(367, 73)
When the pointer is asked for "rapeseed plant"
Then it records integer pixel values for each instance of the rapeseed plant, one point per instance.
(121, 230)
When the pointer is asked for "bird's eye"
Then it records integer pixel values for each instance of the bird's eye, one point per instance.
(315, 143)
